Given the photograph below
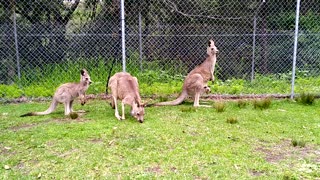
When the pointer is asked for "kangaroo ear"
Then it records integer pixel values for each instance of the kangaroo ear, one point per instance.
(143, 105)
(83, 71)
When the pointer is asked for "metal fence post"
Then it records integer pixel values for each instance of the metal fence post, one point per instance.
(253, 46)
(123, 37)
(296, 34)
(16, 38)
(140, 41)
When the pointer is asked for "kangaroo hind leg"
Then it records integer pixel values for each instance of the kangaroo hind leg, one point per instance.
(116, 112)
(67, 107)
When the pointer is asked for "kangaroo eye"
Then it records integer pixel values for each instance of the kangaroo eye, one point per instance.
(138, 114)
(87, 78)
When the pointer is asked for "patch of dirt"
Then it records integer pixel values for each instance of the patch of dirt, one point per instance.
(60, 120)
(5, 150)
(67, 153)
(103, 96)
(285, 150)
(67, 120)
(23, 126)
(257, 173)
(96, 141)
(155, 169)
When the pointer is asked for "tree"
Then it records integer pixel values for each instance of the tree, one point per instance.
(43, 28)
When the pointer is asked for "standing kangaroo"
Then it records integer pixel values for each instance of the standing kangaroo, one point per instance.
(66, 93)
(125, 87)
(196, 81)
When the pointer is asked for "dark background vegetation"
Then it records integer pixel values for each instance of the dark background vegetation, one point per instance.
(173, 36)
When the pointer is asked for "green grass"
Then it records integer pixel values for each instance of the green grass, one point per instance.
(177, 142)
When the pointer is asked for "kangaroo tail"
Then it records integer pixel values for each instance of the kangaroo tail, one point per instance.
(179, 100)
(48, 111)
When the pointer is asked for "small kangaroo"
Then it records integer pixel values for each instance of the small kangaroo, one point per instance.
(196, 81)
(125, 87)
(66, 93)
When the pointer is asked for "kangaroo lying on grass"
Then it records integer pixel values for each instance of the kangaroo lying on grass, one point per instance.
(66, 93)
(125, 87)
(196, 81)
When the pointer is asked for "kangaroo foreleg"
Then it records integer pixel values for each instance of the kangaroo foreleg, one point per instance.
(83, 99)
(71, 109)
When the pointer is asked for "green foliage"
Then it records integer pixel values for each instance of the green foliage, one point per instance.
(10, 91)
(42, 82)
(39, 91)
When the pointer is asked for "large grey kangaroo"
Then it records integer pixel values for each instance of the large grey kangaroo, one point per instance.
(125, 87)
(196, 81)
(66, 93)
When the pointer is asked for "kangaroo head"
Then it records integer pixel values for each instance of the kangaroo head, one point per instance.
(211, 49)
(137, 111)
(85, 78)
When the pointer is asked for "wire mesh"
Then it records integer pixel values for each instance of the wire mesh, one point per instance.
(255, 39)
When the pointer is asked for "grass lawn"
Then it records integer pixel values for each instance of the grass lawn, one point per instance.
(180, 142)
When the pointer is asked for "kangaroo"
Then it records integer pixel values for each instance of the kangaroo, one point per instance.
(196, 81)
(125, 87)
(66, 93)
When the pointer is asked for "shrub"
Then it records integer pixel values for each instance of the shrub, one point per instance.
(242, 103)
(232, 120)
(220, 106)
(262, 104)
(306, 99)
(299, 143)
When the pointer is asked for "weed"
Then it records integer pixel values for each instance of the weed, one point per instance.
(188, 109)
(74, 115)
(262, 104)
(220, 106)
(306, 99)
(232, 120)
(299, 143)
(242, 103)
(163, 98)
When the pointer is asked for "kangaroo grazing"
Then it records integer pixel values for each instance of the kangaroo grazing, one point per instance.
(196, 81)
(125, 87)
(66, 93)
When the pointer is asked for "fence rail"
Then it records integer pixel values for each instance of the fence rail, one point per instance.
(255, 39)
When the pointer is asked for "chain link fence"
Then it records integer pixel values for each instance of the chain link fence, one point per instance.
(47, 42)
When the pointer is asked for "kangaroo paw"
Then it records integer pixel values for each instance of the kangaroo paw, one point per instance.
(207, 89)
(118, 117)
